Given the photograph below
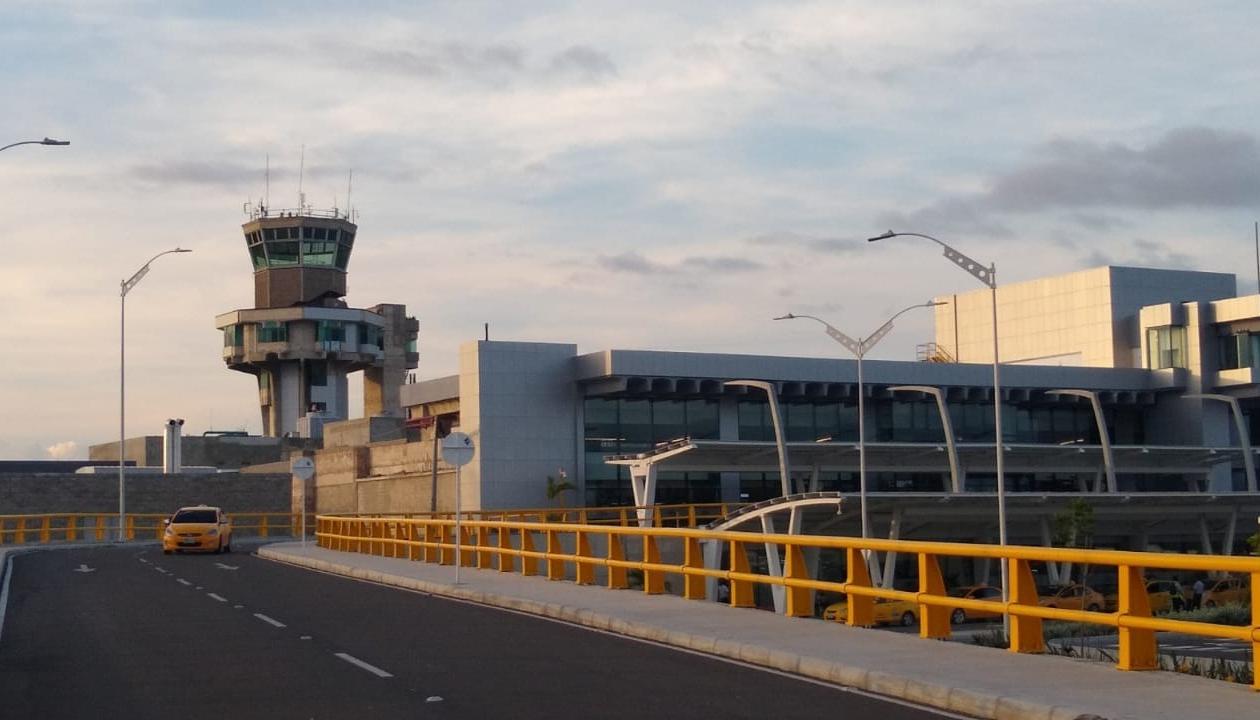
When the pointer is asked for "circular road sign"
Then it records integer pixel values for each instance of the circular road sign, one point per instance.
(457, 449)
(303, 468)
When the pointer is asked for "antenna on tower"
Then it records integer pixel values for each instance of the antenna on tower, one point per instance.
(266, 184)
(349, 186)
(301, 173)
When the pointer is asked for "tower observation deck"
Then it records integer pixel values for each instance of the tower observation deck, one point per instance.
(301, 339)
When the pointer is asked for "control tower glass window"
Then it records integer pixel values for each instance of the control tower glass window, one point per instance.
(318, 254)
(273, 331)
(285, 249)
(330, 331)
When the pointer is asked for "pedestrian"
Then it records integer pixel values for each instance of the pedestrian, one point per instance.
(1199, 587)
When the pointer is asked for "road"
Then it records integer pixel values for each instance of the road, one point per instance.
(130, 633)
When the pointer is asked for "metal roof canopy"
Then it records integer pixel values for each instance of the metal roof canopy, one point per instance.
(761, 456)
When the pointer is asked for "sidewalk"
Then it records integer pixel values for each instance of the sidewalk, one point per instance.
(971, 680)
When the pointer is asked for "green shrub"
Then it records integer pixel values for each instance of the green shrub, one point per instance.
(1221, 615)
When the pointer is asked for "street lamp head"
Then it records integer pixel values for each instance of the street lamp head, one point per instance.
(789, 316)
(885, 236)
(50, 141)
(181, 250)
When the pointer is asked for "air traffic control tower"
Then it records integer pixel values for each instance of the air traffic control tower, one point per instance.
(300, 339)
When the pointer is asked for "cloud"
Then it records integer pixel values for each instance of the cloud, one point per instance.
(193, 172)
(808, 242)
(1143, 253)
(633, 263)
(1187, 167)
(589, 63)
(63, 450)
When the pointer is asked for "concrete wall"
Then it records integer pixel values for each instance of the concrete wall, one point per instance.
(1087, 318)
(22, 493)
(521, 405)
(389, 477)
(362, 431)
(227, 453)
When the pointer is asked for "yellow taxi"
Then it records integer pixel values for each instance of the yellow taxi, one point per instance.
(198, 528)
(887, 612)
(1163, 595)
(958, 616)
(1073, 597)
(1224, 592)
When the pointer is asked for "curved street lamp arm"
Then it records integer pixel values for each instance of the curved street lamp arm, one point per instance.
(854, 346)
(874, 338)
(45, 141)
(134, 280)
(986, 275)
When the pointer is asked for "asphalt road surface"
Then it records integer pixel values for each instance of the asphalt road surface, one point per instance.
(126, 632)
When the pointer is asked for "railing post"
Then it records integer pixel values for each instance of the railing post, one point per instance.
(861, 607)
(45, 530)
(19, 531)
(621, 516)
(529, 564)
(585, 571)
(798, 598)
(72, 528)
(448, 545)
(653, 580)
(742, 591)
(933, 619)
(100, 528)
(1026, 634)
(431, 535)
(507, 561)
(555, 565)
(618, 578)
(131, 527)
(693, 559)
(691, 516)
(1255, 627)
(1137, 647)
(485, 556)
(262, 526)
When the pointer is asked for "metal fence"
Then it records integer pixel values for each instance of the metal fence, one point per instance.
(102, 527)
(566, 550)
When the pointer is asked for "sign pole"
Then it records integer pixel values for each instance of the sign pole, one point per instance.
(459, 535)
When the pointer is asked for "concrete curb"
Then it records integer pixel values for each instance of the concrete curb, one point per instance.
(953, 699)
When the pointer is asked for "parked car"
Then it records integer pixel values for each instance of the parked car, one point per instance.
(975, 592)
(199, 528)
(1230, 590)
(887, 612)
(1073, 597)
(1163, 595)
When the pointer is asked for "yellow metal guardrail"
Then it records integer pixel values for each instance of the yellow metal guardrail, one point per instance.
(537, 548)
(100, 527)
(683, 515)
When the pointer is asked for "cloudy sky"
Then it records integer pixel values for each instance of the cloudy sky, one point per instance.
(668, 176)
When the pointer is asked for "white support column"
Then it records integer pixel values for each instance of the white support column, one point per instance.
(815, 479)
(890, 558)
(1205, 539)
(774, 564)
(1227, 548)
(947, 426)
(643, 484)
(1052, 568)
(712, 550)
(1104, 438)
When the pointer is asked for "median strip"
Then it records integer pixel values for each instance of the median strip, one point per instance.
(366, 666)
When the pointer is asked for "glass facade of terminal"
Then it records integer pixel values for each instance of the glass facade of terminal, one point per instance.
(625, 425)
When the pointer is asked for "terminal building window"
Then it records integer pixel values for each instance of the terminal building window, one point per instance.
(1166, 347)
(330, 331)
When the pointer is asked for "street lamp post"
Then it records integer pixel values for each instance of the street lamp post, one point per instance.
(45, 141)
(859, 348)
(125, 287)
(988, 276)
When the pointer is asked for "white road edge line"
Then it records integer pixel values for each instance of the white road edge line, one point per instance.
(357, 662)
(269, 620)
(182, 581)
(220, 598)
(7, 569)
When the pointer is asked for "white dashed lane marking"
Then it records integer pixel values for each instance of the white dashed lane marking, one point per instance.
(215, 596)
(182, 581)
(269, 620)
(365, 666)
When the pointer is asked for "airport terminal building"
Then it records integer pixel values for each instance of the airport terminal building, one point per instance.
(1132, 386)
